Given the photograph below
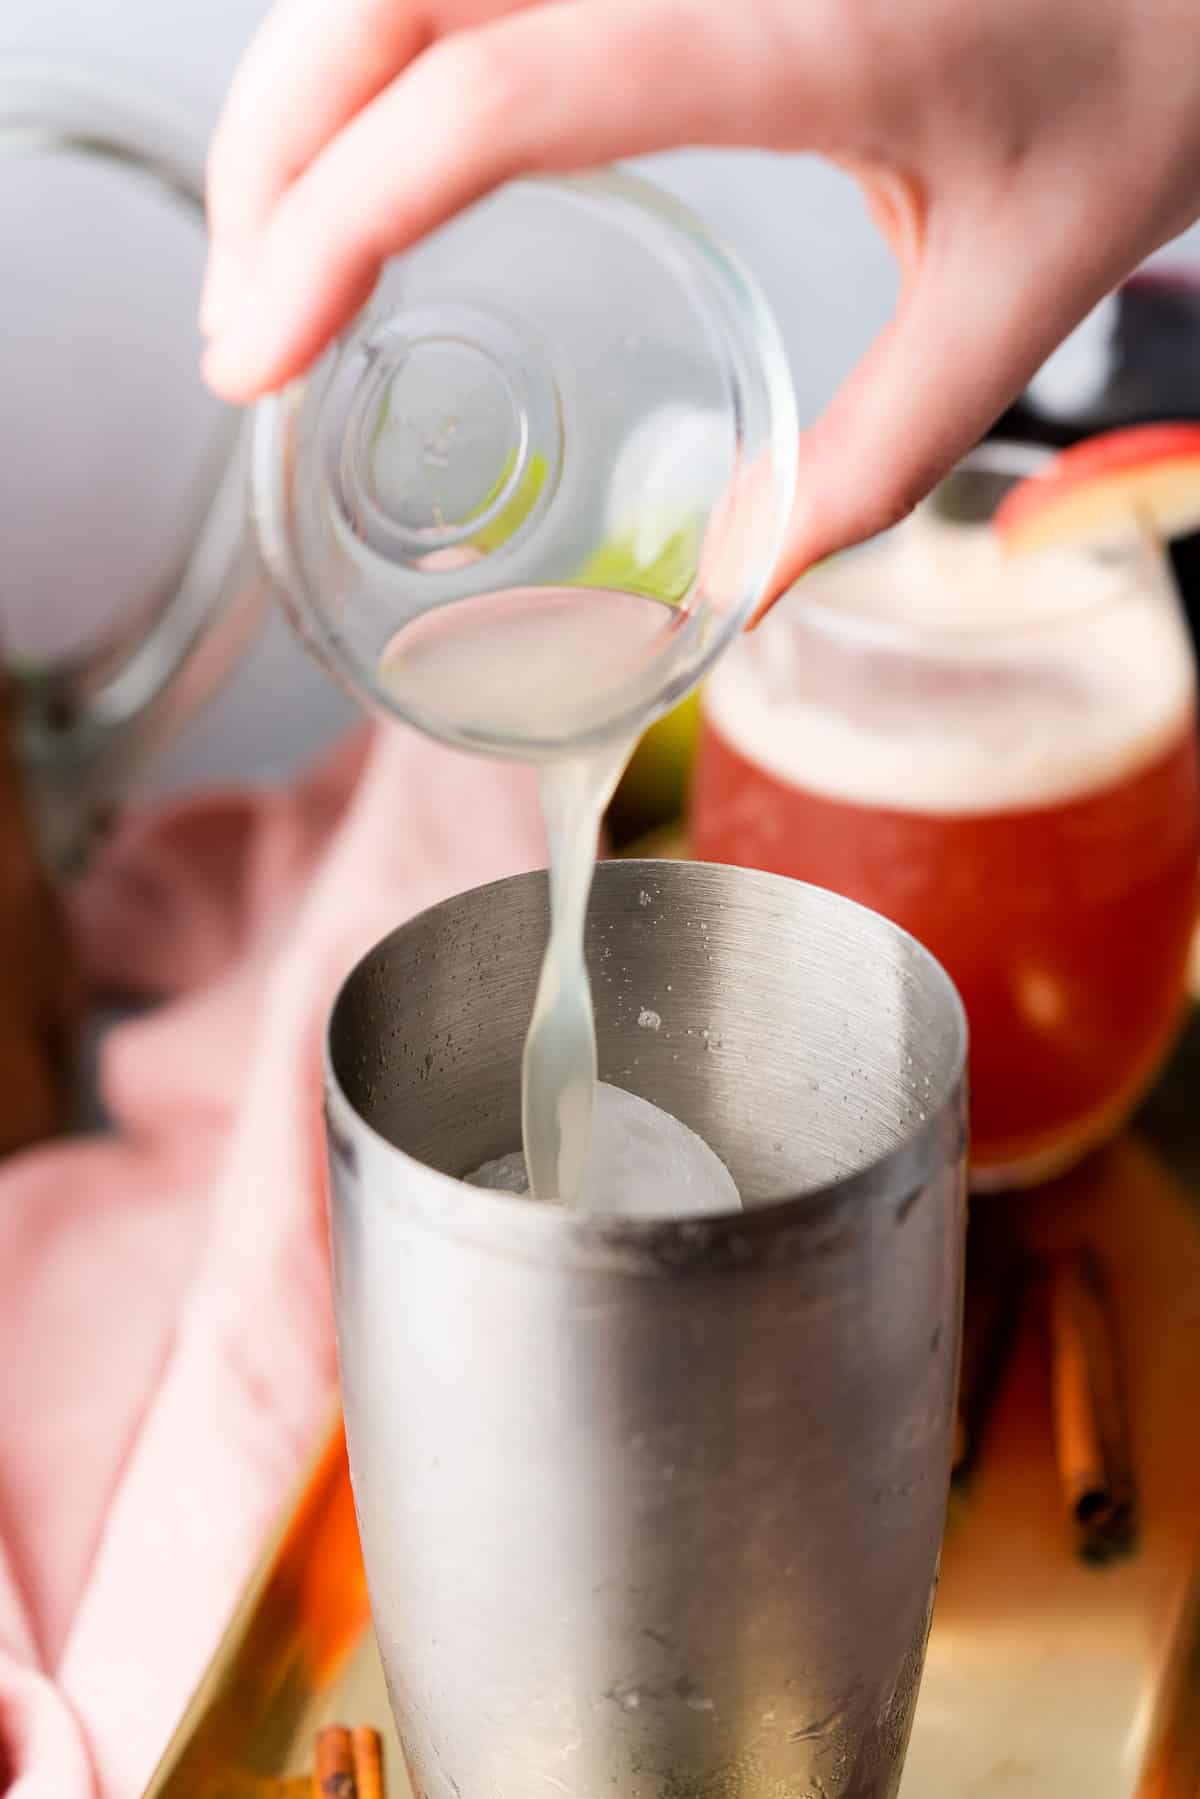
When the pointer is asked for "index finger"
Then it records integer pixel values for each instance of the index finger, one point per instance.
(307, 70)
(559, 86)
(311, 66)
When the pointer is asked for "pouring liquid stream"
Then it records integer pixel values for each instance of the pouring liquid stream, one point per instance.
(533, 663)
(558, 1067)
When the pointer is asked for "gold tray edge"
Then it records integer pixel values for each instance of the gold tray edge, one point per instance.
(247, 1610)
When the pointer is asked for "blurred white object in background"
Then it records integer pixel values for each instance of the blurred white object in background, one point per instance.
(1075, 376)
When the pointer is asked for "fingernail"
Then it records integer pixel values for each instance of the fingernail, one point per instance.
(799, 554)
(232, 365)
(239, 354)
(781, 584)
(218, 298)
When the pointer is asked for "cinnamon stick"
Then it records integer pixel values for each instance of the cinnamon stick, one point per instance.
(368, 1762)
(1091, 1433)
(333, 1774)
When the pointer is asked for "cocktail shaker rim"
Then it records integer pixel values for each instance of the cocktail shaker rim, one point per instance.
(811, 1222)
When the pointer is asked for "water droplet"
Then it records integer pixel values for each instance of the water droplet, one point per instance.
(649, 1021)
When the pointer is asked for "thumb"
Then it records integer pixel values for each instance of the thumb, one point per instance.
(971, 329)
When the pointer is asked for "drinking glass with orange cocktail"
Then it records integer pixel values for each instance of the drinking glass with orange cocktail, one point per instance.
(983, 725)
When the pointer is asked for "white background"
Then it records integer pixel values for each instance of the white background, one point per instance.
(798, 224)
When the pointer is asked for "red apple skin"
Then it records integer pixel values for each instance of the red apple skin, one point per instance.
(1145, 455)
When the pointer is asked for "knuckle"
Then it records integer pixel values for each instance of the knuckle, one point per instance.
(478, 80)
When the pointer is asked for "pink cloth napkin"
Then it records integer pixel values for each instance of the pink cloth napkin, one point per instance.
(166, 1345)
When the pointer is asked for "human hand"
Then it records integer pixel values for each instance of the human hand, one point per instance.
(1020, 156)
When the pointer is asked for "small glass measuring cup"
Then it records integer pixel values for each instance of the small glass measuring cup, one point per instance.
(569, 391)
(543, 479)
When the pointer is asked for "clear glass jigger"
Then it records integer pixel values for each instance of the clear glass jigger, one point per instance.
(543, 479)
(569, 395)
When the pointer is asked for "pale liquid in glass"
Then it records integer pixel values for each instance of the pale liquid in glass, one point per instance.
(534, 662)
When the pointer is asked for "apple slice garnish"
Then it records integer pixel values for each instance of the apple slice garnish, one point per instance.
(1102, 491)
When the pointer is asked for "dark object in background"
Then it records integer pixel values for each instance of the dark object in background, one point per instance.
(1150, 375)
(994, 1300)
(41, 1004)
